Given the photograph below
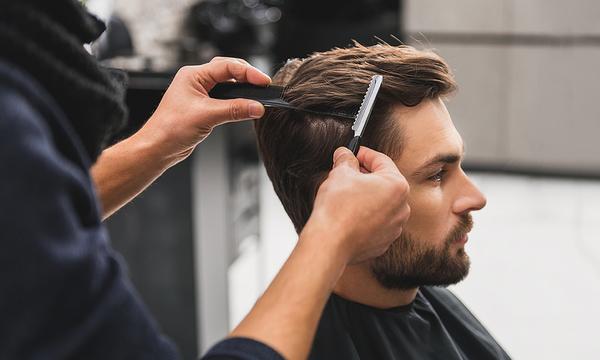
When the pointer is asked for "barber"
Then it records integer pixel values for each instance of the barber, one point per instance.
(64, 290)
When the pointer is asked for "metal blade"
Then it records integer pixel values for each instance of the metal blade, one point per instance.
(366, 106)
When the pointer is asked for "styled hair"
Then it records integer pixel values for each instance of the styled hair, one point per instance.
(297, 147)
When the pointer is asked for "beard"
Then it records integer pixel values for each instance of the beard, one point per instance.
(409, 262)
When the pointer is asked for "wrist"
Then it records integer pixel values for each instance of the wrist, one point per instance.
(327, 244)
(149, 150)
(154, 145)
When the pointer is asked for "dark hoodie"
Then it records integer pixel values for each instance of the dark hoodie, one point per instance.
(63, 290)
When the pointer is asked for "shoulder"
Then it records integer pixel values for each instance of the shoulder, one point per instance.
(20, 94)
(31, 115)
(453, 312)
(444, 301)
(442, 295)
(41, 160)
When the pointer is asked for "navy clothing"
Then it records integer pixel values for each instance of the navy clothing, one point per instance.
(64, 293)
(436, 325)
(63, 290)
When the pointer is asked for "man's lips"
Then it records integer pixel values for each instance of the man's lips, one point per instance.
(463, 239)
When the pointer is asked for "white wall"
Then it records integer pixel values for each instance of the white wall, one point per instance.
(528, 77)
(535, 275)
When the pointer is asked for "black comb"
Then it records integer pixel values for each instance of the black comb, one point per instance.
(269, 96)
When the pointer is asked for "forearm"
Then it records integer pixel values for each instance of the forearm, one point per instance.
(287, 315)
(125, 169)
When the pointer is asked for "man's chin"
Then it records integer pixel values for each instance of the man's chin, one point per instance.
(449, 272)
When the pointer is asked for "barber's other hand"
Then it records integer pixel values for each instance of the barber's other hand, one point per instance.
(186, 114)
(362, 212)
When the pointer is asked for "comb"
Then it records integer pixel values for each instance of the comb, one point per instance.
(269, 96)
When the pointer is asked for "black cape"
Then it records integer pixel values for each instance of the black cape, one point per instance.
(436, 325)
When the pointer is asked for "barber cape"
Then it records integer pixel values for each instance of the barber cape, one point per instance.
(436, 325)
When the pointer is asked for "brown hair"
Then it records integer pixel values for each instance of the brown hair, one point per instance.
(297, 147)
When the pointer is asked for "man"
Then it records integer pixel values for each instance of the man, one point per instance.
(65, 293)
(394, 306)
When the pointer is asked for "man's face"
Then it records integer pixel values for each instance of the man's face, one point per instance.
(431, 248)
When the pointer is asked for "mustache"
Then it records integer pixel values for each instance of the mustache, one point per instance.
(464, 226)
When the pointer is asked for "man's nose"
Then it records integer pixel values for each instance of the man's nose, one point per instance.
(470, 198)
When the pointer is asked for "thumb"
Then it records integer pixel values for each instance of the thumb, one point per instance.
(376, 162)
(222, 111)
(344, 157)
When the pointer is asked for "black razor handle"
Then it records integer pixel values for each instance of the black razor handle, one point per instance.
(354, 144)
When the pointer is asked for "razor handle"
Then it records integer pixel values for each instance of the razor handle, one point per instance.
(354, 144)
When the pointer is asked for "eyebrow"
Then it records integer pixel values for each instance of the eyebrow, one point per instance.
(437, 160)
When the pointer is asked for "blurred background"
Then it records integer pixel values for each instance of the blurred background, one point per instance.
(204, 241)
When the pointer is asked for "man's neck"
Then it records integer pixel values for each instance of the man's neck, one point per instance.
(358, 284)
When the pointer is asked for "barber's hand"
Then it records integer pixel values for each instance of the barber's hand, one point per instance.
(186, 115)
(363, 211)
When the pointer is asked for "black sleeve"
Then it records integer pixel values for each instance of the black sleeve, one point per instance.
(241, 349)
(63, 291)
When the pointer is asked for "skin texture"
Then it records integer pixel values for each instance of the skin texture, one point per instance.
(441, 196)
(286, 316)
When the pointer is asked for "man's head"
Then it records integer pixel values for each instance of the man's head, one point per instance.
(409, 123)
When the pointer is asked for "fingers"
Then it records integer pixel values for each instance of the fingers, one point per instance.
(344, 157)
(222, 111)
(374, 161)
(379, 163)
(224, 69)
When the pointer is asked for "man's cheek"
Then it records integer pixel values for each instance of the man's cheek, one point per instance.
(422, 224)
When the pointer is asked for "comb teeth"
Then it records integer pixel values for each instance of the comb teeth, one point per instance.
(362, 104)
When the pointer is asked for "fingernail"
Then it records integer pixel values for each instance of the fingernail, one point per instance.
(255, 110)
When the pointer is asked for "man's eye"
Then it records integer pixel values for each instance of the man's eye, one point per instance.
(438, 176)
